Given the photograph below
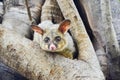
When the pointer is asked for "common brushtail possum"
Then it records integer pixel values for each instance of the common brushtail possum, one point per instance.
(55, 37)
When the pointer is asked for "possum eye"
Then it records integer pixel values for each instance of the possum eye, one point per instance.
(57, 38)
(47, 39)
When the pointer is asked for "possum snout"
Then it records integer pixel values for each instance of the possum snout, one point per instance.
(52, 47)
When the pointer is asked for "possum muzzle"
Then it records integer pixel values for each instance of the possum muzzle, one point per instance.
(52, 47)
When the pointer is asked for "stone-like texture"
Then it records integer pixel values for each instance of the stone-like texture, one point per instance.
(115, 6)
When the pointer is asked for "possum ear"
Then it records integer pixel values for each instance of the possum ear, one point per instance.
(64, 26)
(37, 29)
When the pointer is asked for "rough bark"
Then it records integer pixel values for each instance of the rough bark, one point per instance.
(115, 16)
(25, 57)
(112, 46)
(51, 11)
(9, 3)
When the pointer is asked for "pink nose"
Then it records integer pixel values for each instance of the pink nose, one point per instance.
(52, 47)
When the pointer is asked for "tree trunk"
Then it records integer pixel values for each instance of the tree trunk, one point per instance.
(96, 13)
(112, 46)
(51, 11)
(85, 8)
(25, 57)
(86, 50)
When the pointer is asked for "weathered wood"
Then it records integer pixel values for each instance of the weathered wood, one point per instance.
(51, 11)
(115, 16)
(112, 46)
(96, 15)
(20, 19)
(97, 40)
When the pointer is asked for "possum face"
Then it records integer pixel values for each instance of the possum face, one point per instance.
(53, 40)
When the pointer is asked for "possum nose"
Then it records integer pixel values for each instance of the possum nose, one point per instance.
(52, 47)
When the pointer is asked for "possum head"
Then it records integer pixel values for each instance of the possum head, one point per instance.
(54, 39)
